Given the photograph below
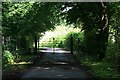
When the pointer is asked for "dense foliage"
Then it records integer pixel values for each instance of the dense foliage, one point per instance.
(24, 23)
(99, 21)
(8, 58)
(58, 39)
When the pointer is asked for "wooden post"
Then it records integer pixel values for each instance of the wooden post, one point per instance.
(53, 45)
(35, 39)
(71, 44)
(78, 44)
(38, 43)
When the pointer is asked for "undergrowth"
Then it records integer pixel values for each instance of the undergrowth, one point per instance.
(100, 69)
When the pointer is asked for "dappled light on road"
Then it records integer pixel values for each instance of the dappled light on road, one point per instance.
(56, 66)
(23, 63)
(54, 50)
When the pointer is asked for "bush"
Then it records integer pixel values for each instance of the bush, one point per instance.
(57, 42)
(77, 41)
(64, 42)
(60, 38)
(8, 58)
(113, 54)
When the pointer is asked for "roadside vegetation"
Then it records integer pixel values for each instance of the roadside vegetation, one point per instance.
(13, 64)
(100, 69)
(92, 30)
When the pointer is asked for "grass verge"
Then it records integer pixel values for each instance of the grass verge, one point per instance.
(99, 69)
(10, 70)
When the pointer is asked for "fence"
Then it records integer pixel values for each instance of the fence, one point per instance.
(72, 44)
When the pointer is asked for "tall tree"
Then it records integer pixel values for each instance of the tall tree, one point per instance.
(94, 18)
(103, 31)
(27, 20)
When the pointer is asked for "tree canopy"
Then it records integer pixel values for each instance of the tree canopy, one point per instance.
(96, 19)
(24, 21)
(27, 20)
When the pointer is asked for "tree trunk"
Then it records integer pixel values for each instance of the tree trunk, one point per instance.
(38, 43)
(35, 39)
(71, 44)
(103, 31)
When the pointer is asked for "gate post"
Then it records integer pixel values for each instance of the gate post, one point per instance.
(71, 44)
(38, 43)
(78, 44)
(53, 45)
(35, 39)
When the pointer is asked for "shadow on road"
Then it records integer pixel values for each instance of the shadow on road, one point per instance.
(56, 63)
